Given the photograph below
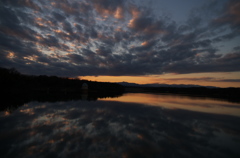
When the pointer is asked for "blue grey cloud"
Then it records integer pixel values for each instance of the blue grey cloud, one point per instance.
(115, 38)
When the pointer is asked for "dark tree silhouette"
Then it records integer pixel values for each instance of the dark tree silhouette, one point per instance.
(14, 82)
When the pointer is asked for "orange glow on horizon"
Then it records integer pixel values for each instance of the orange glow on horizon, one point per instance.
(130, 79)
(202, 79)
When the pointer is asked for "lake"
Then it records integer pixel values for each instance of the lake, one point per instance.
(132, 125)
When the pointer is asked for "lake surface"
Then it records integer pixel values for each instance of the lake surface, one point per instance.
(132, 125)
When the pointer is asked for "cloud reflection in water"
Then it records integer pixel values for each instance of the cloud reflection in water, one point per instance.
(116, 129)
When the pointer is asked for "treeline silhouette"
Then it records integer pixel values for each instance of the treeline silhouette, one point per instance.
(14, 82)
(18, 89)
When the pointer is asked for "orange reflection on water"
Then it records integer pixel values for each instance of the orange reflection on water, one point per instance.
(181, 102)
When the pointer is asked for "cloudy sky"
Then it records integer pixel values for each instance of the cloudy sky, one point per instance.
(141, 41)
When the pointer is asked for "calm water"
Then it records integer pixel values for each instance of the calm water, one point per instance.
(132, 125)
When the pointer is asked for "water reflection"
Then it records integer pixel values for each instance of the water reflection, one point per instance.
(116, 129)
(181, 102)
(11, 102)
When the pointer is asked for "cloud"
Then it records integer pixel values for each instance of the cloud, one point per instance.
(146, 25)
(69, 8)
(23, 4)
(75, 58)
(108, 7)
(226, 63)
(115, 38)
(231, 15)
(236, 48)
(145, 46)
(204, 79)
(103, 51)
(58, 16)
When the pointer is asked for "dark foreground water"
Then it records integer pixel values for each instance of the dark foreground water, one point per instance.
(133, 125)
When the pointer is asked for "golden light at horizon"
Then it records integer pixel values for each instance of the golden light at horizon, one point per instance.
(203, 79)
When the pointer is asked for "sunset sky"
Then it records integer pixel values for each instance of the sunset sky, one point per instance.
(137, 41)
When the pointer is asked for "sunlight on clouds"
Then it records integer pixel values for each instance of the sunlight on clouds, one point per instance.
(119, 13)
(29, 111)
(144, 43)
(40, 24)
(58, 31)
(11, 55)
(32, 58)
(135, 14)
(39, 37)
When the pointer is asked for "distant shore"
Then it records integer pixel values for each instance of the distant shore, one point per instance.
(15, 84)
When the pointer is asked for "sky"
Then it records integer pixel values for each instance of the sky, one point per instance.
(139, 41)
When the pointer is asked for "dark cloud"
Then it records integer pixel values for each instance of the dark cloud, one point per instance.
(67, 27)
(22, 4)
(232, 58)
(236, 48)
(58, 16)
(231, 15)
(29, 4)
(228, 80)
(75, 58)
(226, 63)
(115, 38)
(204, 79)
(103, 51)
(145, 46)
(146, 25)
(50, 41)
(11, 20)
(69, 8)
(93, 33)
